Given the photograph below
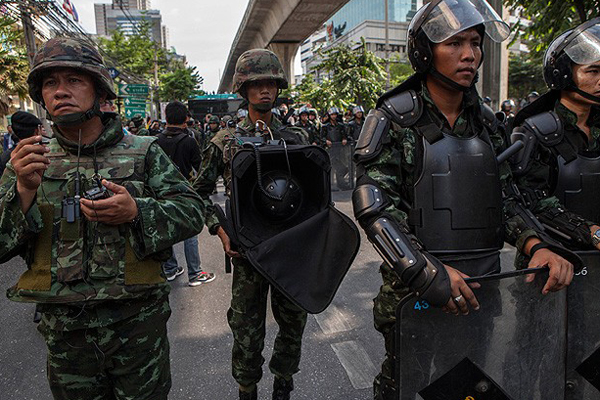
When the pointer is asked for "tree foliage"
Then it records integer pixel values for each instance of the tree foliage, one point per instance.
(14, 65)
(400, 70)
(549, 19)
(136, 53)
(524, 76)
(180, 84)
(356, 76)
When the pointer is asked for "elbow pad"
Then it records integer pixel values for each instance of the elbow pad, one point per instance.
(421, 272)
(568, 228)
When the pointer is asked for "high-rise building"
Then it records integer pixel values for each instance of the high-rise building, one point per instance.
(126, 15)
(363, 19)
(132, 4)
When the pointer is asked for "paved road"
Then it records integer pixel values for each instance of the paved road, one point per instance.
(341, 350)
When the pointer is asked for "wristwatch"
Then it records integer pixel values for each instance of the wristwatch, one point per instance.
(596, 237)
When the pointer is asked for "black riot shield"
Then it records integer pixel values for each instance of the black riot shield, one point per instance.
(289, 229)
(342, 166)
(583, 348)
(512, 348)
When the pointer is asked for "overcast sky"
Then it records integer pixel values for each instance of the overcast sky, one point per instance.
(203, 30)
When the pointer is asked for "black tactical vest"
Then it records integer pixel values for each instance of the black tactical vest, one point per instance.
(578, 186)
(458, 197)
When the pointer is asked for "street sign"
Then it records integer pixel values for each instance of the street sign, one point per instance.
(132, 111)
(134, 102)
(113, 72)
(132, 90)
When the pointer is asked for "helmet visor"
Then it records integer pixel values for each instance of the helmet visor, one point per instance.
(585, 47)
(450, 17)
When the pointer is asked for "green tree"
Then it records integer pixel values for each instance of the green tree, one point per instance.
(14, 65)
(180, 84)
(524, 76)
(357, 75)
(400, 70)
(549, 19)
(134, 53)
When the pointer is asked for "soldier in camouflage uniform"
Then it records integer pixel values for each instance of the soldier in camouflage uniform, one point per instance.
(424, 116)
(258, 77)
(136, 126)
(213, 128)
(94, 266)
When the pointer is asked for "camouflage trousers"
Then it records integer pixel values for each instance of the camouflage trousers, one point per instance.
(247, 316)
(128, 359)
(384, 315)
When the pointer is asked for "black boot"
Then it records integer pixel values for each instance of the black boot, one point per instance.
(253, 395)
(282, 389)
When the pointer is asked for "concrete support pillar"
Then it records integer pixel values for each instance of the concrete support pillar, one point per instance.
(286, 51)
(494, 71)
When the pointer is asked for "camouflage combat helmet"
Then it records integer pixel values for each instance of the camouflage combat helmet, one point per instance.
(73, 53)
(214, 120)
(137, 120)
(256, 65)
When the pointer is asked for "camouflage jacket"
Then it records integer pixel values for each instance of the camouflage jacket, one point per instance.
(87, 263)
(542, 171)
(396, 168)
(216, 162)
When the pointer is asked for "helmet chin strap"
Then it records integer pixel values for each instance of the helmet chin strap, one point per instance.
(78, 118)
(454, 85)
(595, 99)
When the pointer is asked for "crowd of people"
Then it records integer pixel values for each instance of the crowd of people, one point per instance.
(96, 210)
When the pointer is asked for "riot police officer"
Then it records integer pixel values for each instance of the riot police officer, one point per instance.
(355, 126)
(308, 127)
(258, 78)
(558, 172)
(410, 176)
(94, 213)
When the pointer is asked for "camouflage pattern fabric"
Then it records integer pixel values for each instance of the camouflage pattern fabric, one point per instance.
(143, 132)
(384, 317)
(69, 263)
(247, 316)
(396, 171)
(258, 64)
(68, 52)
(126, 360)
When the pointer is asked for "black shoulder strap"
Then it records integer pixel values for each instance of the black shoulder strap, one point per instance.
(178, 140)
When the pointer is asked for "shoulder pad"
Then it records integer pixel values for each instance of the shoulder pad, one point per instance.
(520, 161)
(489, 117)
(404, 108)
(372, 136)
(547, 126)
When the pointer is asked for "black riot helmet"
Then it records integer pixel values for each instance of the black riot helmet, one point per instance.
(439, 20)
(577, 46)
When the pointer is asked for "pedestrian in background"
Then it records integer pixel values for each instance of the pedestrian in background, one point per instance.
(183, 150)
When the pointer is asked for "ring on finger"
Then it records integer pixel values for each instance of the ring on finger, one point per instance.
(458, 298)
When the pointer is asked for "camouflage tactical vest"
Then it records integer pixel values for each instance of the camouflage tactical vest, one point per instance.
(85, 261)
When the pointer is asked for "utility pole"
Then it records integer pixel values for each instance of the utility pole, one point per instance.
(153, 107)
(387, 45)
(31, 50)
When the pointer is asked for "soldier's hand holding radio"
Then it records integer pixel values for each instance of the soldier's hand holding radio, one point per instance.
(120, 208)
